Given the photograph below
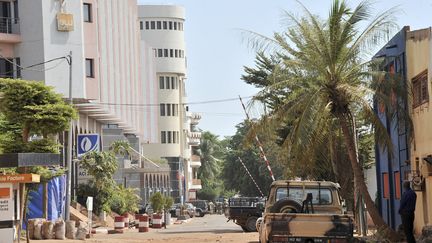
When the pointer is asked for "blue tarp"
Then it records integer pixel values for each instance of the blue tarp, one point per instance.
(56, 199)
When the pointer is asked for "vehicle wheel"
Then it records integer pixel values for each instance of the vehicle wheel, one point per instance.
(251, 224)
(244, 228)
(286, 205)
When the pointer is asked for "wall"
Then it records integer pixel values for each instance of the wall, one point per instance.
(41, 42)
(419, 47)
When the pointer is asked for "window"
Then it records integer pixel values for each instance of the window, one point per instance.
(175, 25)
(165, 25)
(397, 185)
(159, 25)
(160, 52)
(89, 68)
(169, 140)
(174, 137)
(420, 89)
(87, 12)
(171, 53)
(180, 25)
(153, 25)
(161, 82)
(176, 53)
(162, 109)
(170, 25)
(147, 25)
(167, 83)
(165, 52)
(385, 178)
(319, 195)
(163, 137)
(168, 109)
(141, 25)
(173, 82)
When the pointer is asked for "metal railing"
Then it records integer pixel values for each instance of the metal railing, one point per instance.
(9, 25)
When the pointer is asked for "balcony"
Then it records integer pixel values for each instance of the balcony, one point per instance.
(196, 184)
(9, 30)
(195, 161)
(195, 118)
(194, 138)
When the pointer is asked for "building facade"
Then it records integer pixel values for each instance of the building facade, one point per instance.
(162, 28)
(419, 64)
(112, 74)
(409, 54)
(393, 169)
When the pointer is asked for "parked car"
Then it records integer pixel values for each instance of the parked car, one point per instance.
(188, 208)
(201, 207)
(191, 209)
(245, 211)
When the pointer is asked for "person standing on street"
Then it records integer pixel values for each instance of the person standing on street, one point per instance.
(406, 211)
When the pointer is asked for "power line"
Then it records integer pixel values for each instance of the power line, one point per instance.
(186, 103)
(29, 68)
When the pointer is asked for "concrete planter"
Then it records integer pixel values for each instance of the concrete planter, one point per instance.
(29, 159)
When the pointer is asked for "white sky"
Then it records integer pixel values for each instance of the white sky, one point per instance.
(216, 52)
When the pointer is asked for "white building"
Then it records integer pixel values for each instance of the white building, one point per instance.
(162, 27)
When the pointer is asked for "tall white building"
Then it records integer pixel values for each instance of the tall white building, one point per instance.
(162, 28)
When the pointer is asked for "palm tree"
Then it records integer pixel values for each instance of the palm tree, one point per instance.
(323, 69)
(208, 150)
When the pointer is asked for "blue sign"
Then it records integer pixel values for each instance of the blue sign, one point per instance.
(87, 143)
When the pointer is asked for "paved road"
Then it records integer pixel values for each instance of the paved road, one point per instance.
(211, 228)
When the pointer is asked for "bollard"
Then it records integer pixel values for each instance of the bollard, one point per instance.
(137, 217)
(126, 220)
(157, 221)
(143, 225)
(119, 223)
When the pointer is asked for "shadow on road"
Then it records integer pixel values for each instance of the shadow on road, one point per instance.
(214, 231)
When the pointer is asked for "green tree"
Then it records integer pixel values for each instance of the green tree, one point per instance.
(234, 175)
(324, 69)
(157, 202)
(31, 108)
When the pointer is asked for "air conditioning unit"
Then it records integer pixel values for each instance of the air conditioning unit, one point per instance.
(417, 183)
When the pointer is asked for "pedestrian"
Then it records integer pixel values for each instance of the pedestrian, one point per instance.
(406, 211)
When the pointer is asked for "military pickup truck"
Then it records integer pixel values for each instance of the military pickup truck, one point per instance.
(244, 211)
(305, 211)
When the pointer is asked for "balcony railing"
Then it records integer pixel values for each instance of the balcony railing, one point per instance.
(9, 25)
(196, 182)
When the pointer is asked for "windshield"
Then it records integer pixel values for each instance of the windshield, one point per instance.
(298, 194)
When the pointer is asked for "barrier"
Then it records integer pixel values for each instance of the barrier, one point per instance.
(119, 223)
(143, 225)
(157, 221)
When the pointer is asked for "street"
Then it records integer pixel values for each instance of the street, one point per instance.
(211, 228)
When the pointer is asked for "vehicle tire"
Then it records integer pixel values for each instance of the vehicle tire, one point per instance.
(251, 224)
(244, 228)
(286, 205)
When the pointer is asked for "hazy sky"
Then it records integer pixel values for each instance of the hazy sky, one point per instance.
(216, 51)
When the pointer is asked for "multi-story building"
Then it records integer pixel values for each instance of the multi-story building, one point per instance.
(162, 28)
(419, 64)
(111, 70)
(392, 169)
(407, 54)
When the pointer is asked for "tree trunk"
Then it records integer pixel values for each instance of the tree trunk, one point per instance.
(26, 134)
(360, 181)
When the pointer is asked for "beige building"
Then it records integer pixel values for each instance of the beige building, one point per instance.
(419, 64)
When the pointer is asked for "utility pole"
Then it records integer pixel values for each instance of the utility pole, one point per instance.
(69, 147)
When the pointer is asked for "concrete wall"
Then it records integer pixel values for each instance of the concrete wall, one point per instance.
(41, 41)
(419, 48)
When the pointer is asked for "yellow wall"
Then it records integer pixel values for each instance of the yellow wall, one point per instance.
(418, 59)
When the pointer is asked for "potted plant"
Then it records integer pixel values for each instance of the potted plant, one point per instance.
(168, 202)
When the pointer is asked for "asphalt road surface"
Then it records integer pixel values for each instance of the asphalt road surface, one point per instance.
(211, 228)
